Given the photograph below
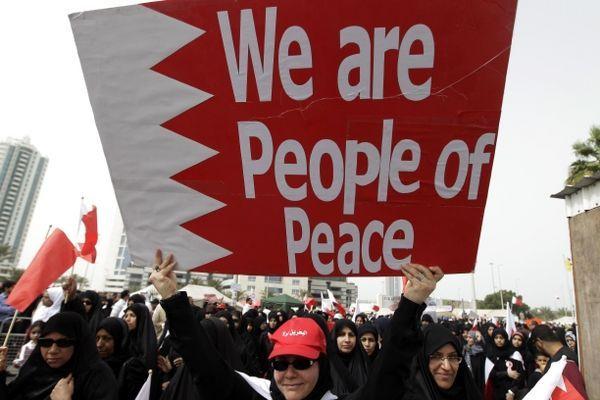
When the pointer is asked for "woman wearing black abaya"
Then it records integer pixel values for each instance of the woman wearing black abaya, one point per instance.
(182, 385)
(348, 360)
(439, 372)
(93, 309)
(369, 339)
(65, 362)
(111, 342)
(508, 373)
(250, 357)
(142, 347)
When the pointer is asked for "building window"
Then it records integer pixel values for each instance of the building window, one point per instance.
(296, 282)
(251, 279)
(250, 288)
(273, 279)
(295, 292)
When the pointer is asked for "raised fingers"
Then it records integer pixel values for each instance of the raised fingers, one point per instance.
(158, 257)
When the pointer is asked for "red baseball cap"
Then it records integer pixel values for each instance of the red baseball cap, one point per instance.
(298, 337)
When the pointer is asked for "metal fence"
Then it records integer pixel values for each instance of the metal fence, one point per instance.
(15, 341)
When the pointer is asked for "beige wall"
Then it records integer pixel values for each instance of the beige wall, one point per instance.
(585, 247)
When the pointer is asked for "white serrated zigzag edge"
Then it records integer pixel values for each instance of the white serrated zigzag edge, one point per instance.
(117, 47)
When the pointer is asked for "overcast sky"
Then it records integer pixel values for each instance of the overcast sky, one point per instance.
(551, 100)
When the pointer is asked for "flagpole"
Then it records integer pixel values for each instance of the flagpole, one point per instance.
(10, 328)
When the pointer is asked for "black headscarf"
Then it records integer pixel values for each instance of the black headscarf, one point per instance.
(143, 349)
(218, 333)
(436, 336)
(369, 328)
(323, 383)
(95, 316)
(36, 379)
(117, 328)
(495, 353)
(348, 371)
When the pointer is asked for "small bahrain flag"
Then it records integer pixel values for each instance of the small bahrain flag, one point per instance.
(88, 248)
(56, 255)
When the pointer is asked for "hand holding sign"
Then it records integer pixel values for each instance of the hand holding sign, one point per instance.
(422, 281)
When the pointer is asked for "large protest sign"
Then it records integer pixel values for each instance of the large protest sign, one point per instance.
(304, 137)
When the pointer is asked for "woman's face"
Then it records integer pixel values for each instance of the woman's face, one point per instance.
(499, 340)
(517, 341)
(105, 343)
(359, 321)
(490, 330)
(368, 342)
(56, 356)
(296, 384)
(346, 340)
(46, 300)
(470, 341)
(273, 323)
(87, 303)
(443, 366)
(571, 343)
(130, 319)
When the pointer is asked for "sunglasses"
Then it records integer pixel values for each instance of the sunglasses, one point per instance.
(299, 364)
(62, 343)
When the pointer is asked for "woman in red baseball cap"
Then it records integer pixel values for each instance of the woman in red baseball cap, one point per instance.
(299, 363)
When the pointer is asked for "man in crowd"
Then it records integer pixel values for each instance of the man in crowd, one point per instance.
(118, 308)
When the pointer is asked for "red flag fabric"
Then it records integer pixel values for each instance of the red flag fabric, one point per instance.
(56, 255)
(88, 249)
(310, 302)
(375, 308)
(574, 385)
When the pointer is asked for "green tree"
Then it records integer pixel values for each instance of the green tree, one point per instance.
(588, 157)
(492, 301)
(545, 313)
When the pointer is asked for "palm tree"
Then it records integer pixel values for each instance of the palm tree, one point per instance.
(588, 157)
(215, 284)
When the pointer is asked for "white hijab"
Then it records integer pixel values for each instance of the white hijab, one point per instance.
(43, 313)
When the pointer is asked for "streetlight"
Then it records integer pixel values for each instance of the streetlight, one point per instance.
(499, 282)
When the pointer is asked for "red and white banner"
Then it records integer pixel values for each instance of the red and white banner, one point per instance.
(300, 138)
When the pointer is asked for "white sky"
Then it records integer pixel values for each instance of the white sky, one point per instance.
(551, 100)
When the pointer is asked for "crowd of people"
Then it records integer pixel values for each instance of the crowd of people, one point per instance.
(81, 345)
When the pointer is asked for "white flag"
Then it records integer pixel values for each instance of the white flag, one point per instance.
(510, 321)
(326, 304)
(356, 310)
(144, 393)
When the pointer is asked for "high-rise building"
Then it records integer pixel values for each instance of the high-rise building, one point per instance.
(121, 273)
(393, 285)
(22, 170)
